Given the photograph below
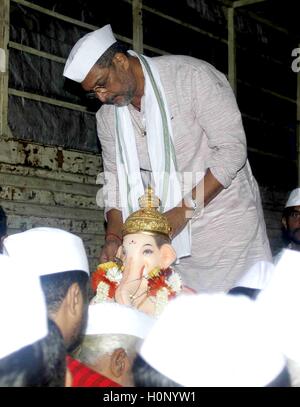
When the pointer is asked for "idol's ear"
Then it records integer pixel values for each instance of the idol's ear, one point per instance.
(167, 255)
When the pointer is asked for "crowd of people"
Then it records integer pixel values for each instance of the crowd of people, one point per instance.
(207, 305)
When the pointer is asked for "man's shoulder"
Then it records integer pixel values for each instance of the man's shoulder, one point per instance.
(183, 66)
(184, 61)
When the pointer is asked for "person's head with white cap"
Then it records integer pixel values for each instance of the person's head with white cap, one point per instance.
(280, 303)
(113, 336)
(210, 341)
(59, 258)
(32, 351)
(291, 220)
(102, 65)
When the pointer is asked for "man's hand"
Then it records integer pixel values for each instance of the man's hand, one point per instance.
(178, 217)
(109, 250)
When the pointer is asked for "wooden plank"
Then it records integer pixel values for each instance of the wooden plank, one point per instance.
(47, 211)
(298, 123)
(34, 51)
(50, 101)
(137, 21)
(65, 18)
(231, 49)
(49, 198)
(4, 73)
(42, 184)
(184, 24)
(24, 171)
(17, 152)
(88, 228)
(243, 3)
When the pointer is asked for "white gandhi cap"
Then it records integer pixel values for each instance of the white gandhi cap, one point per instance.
(294, 198)
(213, 340)
(280, 303)
(87, 51)
(23, 314)
(113, 318)
(47, 250)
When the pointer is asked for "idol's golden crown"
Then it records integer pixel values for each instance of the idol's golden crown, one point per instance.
(148, 219)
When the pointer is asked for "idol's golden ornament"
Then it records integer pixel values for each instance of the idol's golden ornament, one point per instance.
(148, 219)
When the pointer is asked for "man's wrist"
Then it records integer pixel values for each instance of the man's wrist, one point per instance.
(113, 237)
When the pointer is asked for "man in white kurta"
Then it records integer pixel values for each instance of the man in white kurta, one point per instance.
(230, 235)
(151, 105)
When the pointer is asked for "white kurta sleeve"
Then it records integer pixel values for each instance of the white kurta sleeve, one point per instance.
(220, 118)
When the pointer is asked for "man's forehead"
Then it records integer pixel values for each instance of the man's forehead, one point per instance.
(296, 208)
(94, 75)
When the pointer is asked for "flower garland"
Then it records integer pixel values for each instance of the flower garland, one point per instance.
(163, 284)
(105, 281)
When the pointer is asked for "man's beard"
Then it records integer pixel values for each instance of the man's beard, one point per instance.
(126, 99)
(294, 235)
(79, 332)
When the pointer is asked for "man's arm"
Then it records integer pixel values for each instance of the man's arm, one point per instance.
(179, 216)
(113, 236)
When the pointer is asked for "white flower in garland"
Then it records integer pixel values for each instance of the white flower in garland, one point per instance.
(175, 282)
(114, 274)
(101, 293)
(161, 300)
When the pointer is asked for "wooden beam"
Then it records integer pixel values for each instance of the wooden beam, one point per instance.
(4, 38)
(184, 24)
(298, 124)
(44, 99)
(242, 3)
(34, 51)
(137, 26)
(231, 49)
(65, 18)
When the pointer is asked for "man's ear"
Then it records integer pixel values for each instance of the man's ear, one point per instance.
(119, 362)
(74, 299)
(121, 59)
(167, 255)
(283, 222)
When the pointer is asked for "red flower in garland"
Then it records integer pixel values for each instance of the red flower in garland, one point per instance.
(160, 281)
(102, 275)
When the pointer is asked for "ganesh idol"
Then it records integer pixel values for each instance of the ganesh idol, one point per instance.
(142, 276)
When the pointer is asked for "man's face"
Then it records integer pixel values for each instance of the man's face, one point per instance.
(115, 85)
(292, 224)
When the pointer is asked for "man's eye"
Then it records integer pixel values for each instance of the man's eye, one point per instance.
(147, 252)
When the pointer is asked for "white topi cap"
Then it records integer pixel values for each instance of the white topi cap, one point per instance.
(113, 318)
(23, 314)
(214, 340)
(280, 303)
(294, 198)
(47, 250)
(87, 51)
